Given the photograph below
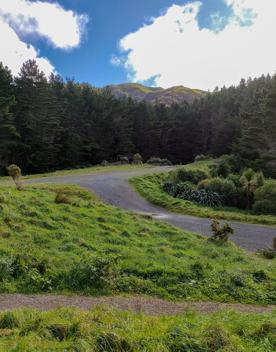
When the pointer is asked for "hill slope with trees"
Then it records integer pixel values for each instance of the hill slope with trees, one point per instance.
(48, 124)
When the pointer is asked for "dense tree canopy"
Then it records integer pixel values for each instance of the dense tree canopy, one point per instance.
(49, 123)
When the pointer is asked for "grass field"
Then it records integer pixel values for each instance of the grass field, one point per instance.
(78, 244)
(109, 330)
(150, 187)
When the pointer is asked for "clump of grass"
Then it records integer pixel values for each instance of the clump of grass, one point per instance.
(62, 198)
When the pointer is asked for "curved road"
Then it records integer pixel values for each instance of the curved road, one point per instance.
(113, 188)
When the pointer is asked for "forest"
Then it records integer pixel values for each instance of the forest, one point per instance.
(50, 123)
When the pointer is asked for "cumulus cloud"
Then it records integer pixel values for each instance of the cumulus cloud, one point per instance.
(20, 18)
(176, 51)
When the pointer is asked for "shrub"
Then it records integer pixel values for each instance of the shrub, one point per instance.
(265, 199)
(223, 187)
(221, 233)
(190, 175)
(137, 159)
(185, 191)
(14, 172)
(223, 169)
(235, 179)
(169, 188)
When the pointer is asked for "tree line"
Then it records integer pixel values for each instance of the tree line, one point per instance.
(48, 124)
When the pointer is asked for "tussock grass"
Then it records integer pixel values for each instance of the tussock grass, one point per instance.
(110, 330)
(88, 247)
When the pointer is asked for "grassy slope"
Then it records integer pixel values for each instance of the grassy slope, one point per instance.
(149, 186)
(109, 330)
(43, 246)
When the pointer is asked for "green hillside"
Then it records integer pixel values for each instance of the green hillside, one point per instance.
(155, 95)
(63, 239)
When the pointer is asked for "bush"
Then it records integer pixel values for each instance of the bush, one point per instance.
(185, 191)
(223, 169)
(137, 159)
(221, 233)
(169, 188)
(265, 199)
(190, 175)
(224, 187)
(15, 172)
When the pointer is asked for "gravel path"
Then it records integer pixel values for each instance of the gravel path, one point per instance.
(149, 306)
(113, 187)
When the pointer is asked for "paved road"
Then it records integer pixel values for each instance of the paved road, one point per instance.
(113, 187)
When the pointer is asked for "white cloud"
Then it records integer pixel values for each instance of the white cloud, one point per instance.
(175, 50)
(62, 28)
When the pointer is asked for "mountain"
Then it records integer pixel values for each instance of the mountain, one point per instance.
(155, 95)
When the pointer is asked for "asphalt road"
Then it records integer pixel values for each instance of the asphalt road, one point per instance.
(113, 188)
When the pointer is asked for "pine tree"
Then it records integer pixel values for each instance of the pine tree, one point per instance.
(8, 132)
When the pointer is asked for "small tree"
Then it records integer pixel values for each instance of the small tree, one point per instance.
(221, 233)
(14, 172)
(137, 159)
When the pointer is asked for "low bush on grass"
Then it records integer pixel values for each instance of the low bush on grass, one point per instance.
(109, 330)
(265, 199)
(92, 248)
(221, 233)
(159, 189)
(184, 174)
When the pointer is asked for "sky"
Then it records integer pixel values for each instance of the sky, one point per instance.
(198, 44)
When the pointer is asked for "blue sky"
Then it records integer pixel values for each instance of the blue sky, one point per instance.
(199, 44)
(110, 20)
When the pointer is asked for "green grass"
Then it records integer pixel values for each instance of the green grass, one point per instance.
(109, 330)
(150, 187)
(82, 171)
(89, 247)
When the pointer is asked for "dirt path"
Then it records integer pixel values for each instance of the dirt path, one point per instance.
(113, 187)
(149, 306)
